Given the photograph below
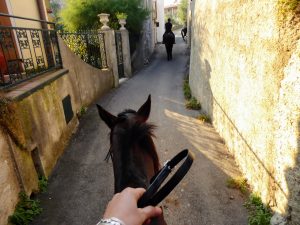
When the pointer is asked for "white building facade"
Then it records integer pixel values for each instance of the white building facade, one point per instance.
(160, 20)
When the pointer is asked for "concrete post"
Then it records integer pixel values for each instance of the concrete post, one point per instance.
(110, 47)
(111, 54)
(126, 53)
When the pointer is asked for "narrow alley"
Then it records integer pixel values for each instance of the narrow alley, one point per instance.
(82, 182)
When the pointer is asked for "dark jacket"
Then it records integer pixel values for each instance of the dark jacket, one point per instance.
(168, 27)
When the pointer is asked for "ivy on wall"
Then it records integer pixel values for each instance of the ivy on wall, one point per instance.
(287, 8)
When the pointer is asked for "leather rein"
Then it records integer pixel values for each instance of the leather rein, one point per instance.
(153, 196)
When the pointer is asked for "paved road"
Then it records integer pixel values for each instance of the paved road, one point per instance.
(82, 183)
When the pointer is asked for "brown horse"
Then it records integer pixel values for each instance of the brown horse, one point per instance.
(135, 160)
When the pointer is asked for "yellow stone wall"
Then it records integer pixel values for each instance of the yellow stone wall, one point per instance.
(36, 121)
(244, 69)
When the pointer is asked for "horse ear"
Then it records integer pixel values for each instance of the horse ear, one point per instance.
(144, 111)
(108, 118)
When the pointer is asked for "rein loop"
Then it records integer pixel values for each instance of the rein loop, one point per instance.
(153, 196)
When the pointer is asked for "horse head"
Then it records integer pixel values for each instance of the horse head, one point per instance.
(135, 160)
(132, 149)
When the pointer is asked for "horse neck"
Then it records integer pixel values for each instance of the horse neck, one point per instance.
(146, 150)
(149, 147)
(135, 163)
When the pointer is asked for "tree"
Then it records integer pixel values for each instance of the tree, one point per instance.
(56, 7)
(82, 14)
(173, 18)
(182, 11)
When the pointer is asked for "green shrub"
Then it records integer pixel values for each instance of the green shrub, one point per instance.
(25, 210)
(83, 15)
(259, 214)
(43, 184)
(121, 15)
(238, 183)
(187, 90)
(204, 118)
(82, 111)
(193, 104)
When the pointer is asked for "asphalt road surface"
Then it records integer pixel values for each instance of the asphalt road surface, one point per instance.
(82, 182)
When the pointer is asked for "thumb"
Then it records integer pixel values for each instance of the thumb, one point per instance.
(151, 211)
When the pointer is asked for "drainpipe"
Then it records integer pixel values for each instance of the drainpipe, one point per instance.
(42, 13)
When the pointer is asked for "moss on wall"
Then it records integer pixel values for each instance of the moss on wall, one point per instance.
(287, 8)
(10, 122)
(288, 19)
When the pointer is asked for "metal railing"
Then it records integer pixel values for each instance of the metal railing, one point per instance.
(88, 45)
(27, 50)
(119, 49)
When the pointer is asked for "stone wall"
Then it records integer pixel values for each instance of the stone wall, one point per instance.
(245, 71)
(34, 126)
(88, 83)
(9, 186)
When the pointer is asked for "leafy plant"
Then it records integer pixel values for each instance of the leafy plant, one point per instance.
(121, 15)
(43, 184)
(193, 104)
(204, 118)
(238, 183)
(82, 111)
(259, 214)
(187, 90)
(25, 210)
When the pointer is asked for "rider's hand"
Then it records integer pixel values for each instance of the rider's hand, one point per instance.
(124, 207)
